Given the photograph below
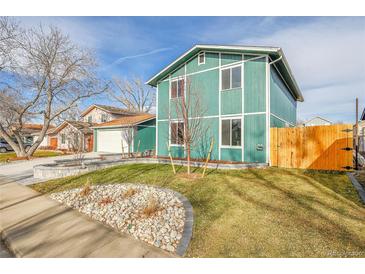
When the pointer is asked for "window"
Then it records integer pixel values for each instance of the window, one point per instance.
(63, 138)
(231, 132)
(177, 133)
(90, 119)
(201, 58)
(231, 78)
(103, 118)
(177, 88)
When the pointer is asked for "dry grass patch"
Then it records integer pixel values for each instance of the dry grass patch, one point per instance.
(152, 207)
(105, 201)
(191, 176)
(129, 193)
(86, 190)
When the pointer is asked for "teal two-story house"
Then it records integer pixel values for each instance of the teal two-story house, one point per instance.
(244, 91)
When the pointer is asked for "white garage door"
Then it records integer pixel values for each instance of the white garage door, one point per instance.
(111, 141)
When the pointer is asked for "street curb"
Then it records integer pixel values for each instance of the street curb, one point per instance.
(357, 186)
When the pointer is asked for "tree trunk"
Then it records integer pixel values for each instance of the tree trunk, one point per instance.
(40, 138)
(188, 156)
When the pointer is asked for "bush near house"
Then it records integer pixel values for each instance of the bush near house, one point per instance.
(269, 212)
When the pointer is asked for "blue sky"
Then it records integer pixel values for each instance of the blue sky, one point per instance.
(326, 54)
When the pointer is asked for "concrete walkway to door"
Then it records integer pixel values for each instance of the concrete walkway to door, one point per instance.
(33, 225)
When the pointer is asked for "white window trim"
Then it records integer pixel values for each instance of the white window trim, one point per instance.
(177, 91)
(230, 131)
(171, 144)
(201, 63)
(230, 80)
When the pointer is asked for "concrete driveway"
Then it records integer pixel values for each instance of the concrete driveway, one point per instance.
(22, 171)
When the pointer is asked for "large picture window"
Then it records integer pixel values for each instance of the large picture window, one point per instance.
(177, 133)
(231, 78)
(231, 132)
(177, 88)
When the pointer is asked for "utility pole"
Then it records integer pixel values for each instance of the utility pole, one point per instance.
(357, 135)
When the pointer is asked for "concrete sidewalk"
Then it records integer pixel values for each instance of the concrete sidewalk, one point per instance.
(22, 171)
(33, 225)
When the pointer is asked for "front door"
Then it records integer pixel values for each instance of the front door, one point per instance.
(53, 142)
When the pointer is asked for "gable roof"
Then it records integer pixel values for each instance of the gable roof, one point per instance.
(318, 117)
(275, 53)
(127, 121)
(84, 127)
(109, 109)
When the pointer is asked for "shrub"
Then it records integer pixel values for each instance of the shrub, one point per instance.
(129, 193)
(151, 208)
(86, 190)
(105, 201)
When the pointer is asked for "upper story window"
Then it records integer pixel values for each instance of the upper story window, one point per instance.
(231, 132)
(201, 58)
(177, 133)
(63, 138)
(231, 78)
(177, 88)
(90, 119)
(104, 118)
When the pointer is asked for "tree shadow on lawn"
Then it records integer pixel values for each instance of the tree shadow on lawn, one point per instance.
(297, 200)
(320, 186)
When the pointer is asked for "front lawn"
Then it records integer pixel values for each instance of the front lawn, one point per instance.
(254, 213)
(39, 153)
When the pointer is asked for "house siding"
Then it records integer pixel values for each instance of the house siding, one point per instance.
(145, 135)
(96, 115)
(211, 61)
(255, 85)
(282, 103)
(247, 103)
(254, 135)
(231, 101)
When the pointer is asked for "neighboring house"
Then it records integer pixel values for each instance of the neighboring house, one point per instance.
(101, 114)
(64, 135)
(317, 121)
(72, 134)
(113, 136)
(32, 131)
(245, 91)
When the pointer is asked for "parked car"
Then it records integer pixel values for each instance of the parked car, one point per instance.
(5, 147)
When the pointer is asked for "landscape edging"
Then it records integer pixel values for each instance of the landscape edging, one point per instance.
(357, 186)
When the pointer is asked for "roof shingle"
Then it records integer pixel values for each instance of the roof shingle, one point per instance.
(128, 120)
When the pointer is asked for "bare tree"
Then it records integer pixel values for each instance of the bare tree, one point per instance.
(50, 75)
(76, 144)
(9, 31)
(133, 94)
(128, 135)
(186, 124)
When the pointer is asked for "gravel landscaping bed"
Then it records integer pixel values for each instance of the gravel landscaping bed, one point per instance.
(151, 214)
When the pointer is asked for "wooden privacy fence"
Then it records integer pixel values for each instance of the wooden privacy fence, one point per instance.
(315, 147)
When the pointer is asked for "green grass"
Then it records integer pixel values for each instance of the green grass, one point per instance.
(254, 213)
(38, 153)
